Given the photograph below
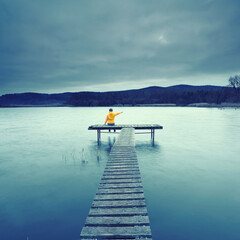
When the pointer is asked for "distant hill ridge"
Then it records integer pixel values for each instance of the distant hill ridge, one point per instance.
(178, 94)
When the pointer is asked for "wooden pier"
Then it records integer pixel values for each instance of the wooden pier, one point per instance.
(119, 209)
(100, 129)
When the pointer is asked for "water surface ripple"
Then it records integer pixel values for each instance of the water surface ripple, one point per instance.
(50, 167)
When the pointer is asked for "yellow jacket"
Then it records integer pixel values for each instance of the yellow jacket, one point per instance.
(111, 116)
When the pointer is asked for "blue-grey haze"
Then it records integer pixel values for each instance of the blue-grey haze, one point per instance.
(50, 167)
(57, 45)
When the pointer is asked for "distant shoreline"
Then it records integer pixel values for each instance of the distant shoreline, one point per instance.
(214, 105)
(154, 96)
(196, 105)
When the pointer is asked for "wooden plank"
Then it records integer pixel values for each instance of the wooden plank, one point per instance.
(109, 221)
(135, 170)
(119, 190)
(122, 185)
(119, 204)
(119, 196)
(98, 232)
(119, 178)
(125, 238)
(111, 178)
(120, 150)
(121, 168)
(131, 211)
(115, 163)
(110, 238)
(121, 154)
(124, 156)
(122, 160)
(123, 150)
(124, 175)
(118, 181)
(121, 164)
(118, 173)
(129, 149)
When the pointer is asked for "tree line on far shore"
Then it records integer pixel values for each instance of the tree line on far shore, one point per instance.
(179, 95)
(153, 95)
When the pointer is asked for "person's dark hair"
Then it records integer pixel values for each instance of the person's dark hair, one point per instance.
(110, 110)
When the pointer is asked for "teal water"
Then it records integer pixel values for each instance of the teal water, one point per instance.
(50, 167)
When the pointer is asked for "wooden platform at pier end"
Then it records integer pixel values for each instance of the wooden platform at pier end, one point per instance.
(119, 210)
(101, 127)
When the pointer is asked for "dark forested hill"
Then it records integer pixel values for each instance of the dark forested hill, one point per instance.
(34, 99)
(179, 94)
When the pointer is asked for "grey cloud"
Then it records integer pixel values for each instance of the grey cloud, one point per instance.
(56, 45)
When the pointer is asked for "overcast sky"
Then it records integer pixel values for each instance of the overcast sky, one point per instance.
(75, 45)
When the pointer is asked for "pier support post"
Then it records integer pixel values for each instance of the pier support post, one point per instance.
(152, 134)
(98, 135)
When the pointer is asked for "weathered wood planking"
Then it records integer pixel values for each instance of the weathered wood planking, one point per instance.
(119, 210)
(120, 126)
(100, 127)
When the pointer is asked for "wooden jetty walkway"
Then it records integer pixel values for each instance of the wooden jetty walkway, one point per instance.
(151, 127)
(119, 209)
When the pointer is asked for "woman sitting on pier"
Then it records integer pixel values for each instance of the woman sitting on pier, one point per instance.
(110, 117)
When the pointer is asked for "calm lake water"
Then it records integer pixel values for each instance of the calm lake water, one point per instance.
(50, 167)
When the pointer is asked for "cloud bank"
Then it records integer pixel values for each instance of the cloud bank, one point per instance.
(56, 46)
